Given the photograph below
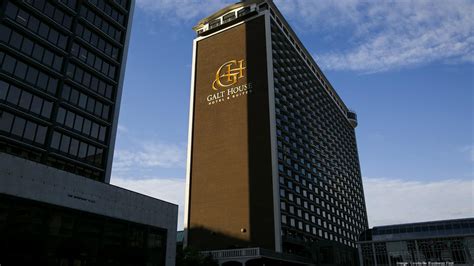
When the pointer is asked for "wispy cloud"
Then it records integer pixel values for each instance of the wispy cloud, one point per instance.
(167, 189)
(148, 155)
(392, 201)
(182, 10)
(384, 35)
(389, 201)
(375, 35)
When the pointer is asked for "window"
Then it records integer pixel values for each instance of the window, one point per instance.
(25, 100)
(20, 70)
(16, 40)
(110, 11)
(8, 64)
(55, 140)
(47, 106)
(243, 11)
(82, 77)
(32, 23)
(102, 24)
(32, 76)
(18, 126)
(40, 134)
(36, 104)
(6, 121)
(65, 141)
(11, 10)
(51, 11)
(4, 33)
(229, 17)
(30, 131)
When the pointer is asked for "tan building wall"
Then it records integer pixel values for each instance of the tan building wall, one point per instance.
(231, 191)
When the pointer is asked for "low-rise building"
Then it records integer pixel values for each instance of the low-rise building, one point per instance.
(448, 242)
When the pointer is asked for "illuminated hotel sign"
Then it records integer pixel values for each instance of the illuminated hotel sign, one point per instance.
(226, 78)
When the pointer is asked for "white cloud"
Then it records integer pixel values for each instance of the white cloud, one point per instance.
(376, 35)
(392, 201)
(150, 154)
(384, 35)
(167, 189)
(389, 201)
(182, 10)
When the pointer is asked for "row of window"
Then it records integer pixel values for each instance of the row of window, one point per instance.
(122, 3)
(30, 48)
(343, 160)
(35, 25)
(297, 90)
(331, 222)
(93, 60)
(77, 149)
(25, 100)
(70, 3)
(85, 102)
(52, 12)
(97, 41)
(325, 111)
(29, 74)
(101, 23)
(286, 231)
(297, 52)
(21, 128)
(90, 81)
(81, 124)
(320, 196)
(109, 10)
(323, 166)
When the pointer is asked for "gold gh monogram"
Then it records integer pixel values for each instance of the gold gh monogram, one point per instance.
(228, 74)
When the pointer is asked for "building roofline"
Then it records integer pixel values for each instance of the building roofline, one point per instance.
(325, 83)
(423, 223)
(225, 10)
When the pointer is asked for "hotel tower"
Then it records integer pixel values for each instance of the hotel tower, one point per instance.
(273, 170)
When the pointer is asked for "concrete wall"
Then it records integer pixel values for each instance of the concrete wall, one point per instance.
(30, 180)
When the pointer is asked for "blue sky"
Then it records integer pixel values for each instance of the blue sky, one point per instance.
(406, 67)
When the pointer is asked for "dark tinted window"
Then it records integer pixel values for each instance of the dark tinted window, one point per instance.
(13, 95)
(18, 126)
(46, 112)
(40, 134)
(27, 46)
(25, 100)
(4, 33)
(20, 70)
(55, 140)
(6, 121)
(36, 105)
(3, 90)
(65, 140)
(8, 64)
(30, 131)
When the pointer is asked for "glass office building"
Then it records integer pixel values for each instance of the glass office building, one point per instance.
(272, 156)
(62, 66)
(449, 242)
